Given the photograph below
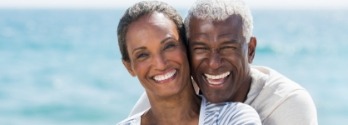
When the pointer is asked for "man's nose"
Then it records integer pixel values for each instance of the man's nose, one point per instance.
(214, 60)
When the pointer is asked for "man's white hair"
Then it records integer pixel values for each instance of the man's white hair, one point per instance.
(219, 10)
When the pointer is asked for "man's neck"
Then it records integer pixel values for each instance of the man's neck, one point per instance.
(243, 91)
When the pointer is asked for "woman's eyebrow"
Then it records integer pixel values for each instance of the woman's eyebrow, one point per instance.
(138, 49)
(166, 39)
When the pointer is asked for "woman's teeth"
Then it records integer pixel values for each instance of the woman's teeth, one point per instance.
(164, 76)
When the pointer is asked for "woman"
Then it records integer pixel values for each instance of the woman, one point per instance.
(151, 40)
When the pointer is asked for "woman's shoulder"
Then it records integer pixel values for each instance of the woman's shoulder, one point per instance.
(243, 114)
(230, 113)
(132, 120)
(230, 107)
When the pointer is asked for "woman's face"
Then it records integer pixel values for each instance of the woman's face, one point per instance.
(157, 55)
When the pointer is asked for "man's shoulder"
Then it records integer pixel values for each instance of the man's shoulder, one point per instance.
(273, 86)
(273, 82)
(277, 92)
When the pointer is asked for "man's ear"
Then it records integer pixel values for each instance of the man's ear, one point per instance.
(127, 64)
(251, 49)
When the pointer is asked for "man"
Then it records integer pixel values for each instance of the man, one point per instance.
(221, 47)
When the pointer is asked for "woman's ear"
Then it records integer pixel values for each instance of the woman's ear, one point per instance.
(251, 49)
(128, 65)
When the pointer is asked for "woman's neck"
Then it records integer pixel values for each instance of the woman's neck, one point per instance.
(182, 108)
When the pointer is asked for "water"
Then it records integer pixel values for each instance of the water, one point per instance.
(63, 66)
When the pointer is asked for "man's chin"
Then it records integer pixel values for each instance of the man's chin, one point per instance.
(215, 99)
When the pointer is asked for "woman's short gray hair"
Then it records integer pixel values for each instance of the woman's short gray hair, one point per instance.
(140, 9)
(219, 10)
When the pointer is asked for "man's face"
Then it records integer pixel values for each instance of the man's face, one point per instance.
(219, 58)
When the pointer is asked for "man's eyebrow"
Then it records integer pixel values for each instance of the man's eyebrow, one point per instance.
(196, 43)
(233, 41)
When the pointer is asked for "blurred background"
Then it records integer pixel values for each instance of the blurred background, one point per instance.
(60, 61)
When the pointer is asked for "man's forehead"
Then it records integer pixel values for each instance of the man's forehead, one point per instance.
(232, 24)
(235, 17)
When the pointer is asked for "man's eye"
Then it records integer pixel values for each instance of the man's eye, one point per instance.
(200, 48)
(228, 48)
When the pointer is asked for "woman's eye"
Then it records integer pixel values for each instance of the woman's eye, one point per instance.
(169, 46)
(142, 55)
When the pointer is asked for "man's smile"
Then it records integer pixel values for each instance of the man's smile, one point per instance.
(216, 79)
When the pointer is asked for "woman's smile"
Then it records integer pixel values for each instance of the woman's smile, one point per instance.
(165, 77)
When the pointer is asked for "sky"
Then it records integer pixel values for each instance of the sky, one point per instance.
(111, 4)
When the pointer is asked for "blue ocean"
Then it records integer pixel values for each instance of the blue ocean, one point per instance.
(63, 67)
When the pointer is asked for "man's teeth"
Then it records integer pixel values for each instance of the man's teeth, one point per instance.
(164, 76)
(223, 75)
